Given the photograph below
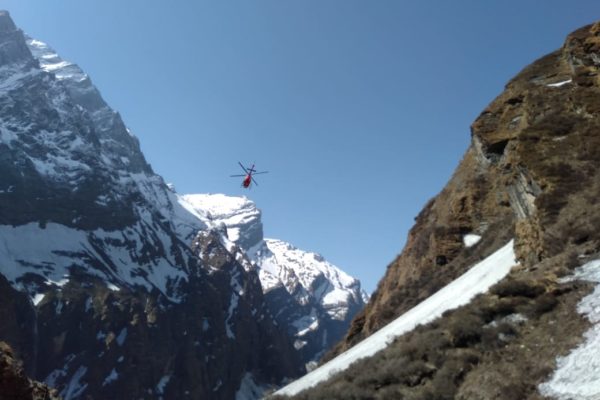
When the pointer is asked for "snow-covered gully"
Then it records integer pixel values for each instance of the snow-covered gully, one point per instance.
(476, 280)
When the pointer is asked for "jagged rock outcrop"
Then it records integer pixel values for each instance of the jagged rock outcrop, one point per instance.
(110, 286)
(14, 383)
(313, 299)
(530, 173)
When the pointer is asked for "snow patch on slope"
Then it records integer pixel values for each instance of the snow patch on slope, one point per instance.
(37, 298)
(559, 84)
(122, 336)
(54, 250)
(12, 76)
(476, 280)
(306, 323)
(471, 239)
(577, 375)
(233, 303)
(249, 390)
(75, 387)
(45, 250)
(51, 62)
(162, 384)
(113, 376)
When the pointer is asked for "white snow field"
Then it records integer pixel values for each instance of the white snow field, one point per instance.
(476, 280)
(577, 375)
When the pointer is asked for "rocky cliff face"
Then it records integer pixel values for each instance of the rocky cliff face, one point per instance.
(111, 286)
(531, 173)
(14, 383)
(313, 299)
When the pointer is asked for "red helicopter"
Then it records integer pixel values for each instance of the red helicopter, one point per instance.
(248, 176)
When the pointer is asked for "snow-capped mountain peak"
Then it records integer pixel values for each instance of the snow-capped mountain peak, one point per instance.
(118, 146)
(100, 259)
(313, 298)
(239, 214)
(327, 284)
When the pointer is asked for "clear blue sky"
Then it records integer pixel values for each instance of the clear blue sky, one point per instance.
(360, 109)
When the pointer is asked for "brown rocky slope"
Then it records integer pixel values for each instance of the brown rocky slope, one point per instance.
(531, 173)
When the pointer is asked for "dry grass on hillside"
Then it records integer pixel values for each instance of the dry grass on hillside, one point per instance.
(501, 345)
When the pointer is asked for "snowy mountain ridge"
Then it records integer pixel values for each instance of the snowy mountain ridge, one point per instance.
(102, 264)
(68, 157)
(280, 262)
(307, 273)
(312, 297)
